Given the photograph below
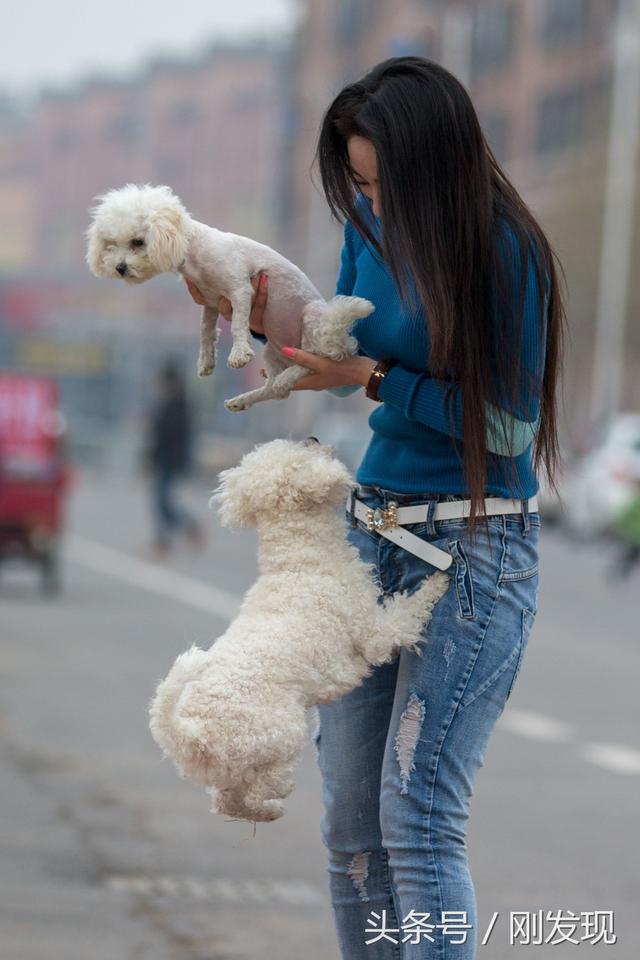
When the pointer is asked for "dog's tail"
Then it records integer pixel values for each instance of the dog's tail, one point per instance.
(349, 308)
(328, 325)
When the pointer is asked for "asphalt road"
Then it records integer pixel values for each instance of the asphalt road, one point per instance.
(105, 853)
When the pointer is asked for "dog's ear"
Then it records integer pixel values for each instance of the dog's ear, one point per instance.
(95, 250)
(235, 498)
(322, 481)
(167, 236)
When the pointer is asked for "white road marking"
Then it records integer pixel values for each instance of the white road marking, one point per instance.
(618, 758)
(612, 756)
(296, 892)
(151, 577)
(536, 726)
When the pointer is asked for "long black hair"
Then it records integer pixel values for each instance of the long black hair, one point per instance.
(443, 195)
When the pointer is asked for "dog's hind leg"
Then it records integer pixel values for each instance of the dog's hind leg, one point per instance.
(400, 621)
(276, 388)
(208, 339)
(242, 351)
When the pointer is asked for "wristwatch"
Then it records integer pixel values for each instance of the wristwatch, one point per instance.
(377, 376)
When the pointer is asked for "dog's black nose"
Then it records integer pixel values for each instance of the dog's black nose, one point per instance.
(121, 268)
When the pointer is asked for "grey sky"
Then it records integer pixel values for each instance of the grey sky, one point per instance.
(58, 41)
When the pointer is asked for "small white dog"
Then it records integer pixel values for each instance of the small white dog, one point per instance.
(138, 232)
(309, 630)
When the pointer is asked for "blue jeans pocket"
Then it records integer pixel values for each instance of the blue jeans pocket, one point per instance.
(463, 580)
(521, 556)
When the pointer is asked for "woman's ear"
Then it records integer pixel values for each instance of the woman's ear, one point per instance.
(167, 237)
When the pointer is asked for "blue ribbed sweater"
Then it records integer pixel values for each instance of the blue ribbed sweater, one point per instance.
(411, 449)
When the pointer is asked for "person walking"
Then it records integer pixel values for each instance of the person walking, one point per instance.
(169, 454)
(461, 356)
(626, 527)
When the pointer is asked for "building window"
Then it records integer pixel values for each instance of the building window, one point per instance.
(184, 113)
(602, 18)
(66, 139)
(404, 45)
(561, 118)
(351, 18)
(248, 100)
(492, 37)
(123, 128)
(496, 130)
(563, 21)
(168, 168)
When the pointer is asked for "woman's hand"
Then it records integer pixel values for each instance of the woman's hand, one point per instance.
(326, 373)
(258, 303)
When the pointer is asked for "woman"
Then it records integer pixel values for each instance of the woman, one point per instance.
(468, 325)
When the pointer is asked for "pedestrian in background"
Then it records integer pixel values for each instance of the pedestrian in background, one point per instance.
(626, 526)
(170, 457)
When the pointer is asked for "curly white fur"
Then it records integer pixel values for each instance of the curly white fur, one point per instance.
(309, 630)
(138, 232)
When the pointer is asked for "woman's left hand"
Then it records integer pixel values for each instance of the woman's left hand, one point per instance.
(326, 373)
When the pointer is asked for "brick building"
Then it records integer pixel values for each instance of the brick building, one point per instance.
(195, 125)
(209, 128)
(234, 130)
(539, 74)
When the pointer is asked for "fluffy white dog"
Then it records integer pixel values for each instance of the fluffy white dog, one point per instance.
(138, 232)
(309, 630)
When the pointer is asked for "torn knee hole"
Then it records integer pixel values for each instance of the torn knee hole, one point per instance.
(358, 870)
(407, 738)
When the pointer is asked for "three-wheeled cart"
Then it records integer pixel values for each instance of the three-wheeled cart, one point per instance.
(34, 474)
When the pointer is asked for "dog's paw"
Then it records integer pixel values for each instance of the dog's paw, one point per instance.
(439, 581)
(269, 811)
(232, 803)
(241, 354)
(206, 366)
(415, 648)
(235, 404)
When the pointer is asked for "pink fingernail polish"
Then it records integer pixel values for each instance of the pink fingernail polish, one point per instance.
(289, 351)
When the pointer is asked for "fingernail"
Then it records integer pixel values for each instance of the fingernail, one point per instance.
(263, 280)
(289, 351)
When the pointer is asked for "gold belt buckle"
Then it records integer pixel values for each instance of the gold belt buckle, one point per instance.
(383, 519)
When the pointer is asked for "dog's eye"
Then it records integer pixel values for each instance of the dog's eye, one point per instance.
(137, 242)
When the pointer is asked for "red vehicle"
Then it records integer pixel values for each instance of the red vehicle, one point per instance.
(33, 473)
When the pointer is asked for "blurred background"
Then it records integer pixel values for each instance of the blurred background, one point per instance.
(101, 844)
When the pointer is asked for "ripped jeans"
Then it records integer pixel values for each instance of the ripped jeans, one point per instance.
(398, 755)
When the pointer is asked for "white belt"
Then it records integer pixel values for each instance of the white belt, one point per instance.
(387, 521)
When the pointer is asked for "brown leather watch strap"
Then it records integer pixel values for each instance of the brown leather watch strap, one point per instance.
(377, 375)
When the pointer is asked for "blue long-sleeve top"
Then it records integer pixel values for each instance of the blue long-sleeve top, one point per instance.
(411, 448)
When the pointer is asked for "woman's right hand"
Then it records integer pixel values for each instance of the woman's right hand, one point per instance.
(258, 303)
